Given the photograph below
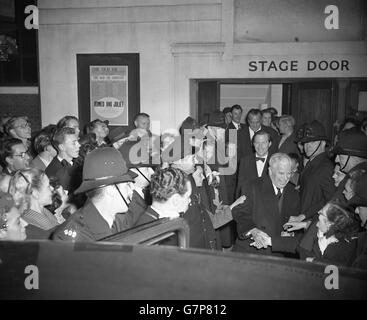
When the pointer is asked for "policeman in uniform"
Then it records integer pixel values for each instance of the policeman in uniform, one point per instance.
(106, 181)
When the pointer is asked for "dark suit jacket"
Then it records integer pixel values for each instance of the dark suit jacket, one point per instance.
(38, 163)
(247, 170)
(231, 180)
(69, 177)
(289, 145)
(245, 143)
(316, 185)
(54, 166)
(260, 210)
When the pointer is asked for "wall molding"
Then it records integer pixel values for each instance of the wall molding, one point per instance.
(19, 90)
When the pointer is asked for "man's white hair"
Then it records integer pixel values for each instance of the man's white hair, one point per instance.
(278, 157)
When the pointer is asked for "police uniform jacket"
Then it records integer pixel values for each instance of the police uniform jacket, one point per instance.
(316, 185)
(87, 224)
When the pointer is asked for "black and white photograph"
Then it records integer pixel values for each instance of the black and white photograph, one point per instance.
(183, 154)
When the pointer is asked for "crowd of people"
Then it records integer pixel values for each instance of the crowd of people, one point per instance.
(267, 186)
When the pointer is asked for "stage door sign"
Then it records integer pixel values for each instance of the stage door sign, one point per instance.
(109, 94)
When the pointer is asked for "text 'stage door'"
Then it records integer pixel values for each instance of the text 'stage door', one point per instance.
(108, 88)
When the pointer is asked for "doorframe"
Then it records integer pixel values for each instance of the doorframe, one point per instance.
(339, 90)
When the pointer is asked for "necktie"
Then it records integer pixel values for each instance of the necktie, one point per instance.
(280, 199)
(279, 193)
(260, 159)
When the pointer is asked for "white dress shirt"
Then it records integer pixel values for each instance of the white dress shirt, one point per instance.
(260, 165)
(236, 125)
(276, 189)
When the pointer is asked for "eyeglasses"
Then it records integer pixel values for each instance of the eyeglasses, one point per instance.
(24, 125)
(22, 155)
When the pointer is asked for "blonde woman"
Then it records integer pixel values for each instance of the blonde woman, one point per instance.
(32, 192)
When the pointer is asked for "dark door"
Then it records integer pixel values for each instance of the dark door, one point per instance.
(208, 100)
(119, 87)
(314, 101)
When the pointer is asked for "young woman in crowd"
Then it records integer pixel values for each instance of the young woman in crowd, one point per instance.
(32, 192)
(100, 129)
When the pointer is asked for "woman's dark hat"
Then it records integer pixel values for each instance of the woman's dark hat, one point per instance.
(102, 167)
(314, 131)
(351, 143)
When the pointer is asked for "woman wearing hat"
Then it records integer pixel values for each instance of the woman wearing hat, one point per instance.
(11, 225)
(32, 192)
(106, 181)
(334, 239)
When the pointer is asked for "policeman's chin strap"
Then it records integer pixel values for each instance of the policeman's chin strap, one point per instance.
(127, 205)
(309, 157)
(346, 163)
(143, 175)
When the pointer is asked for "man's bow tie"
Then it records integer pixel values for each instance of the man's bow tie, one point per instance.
(259, 158)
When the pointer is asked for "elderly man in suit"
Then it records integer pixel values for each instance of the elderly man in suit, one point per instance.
(256, 164)
(271, 200)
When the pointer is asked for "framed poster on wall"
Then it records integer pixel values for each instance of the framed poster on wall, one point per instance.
(109, 94)
(108, 88)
